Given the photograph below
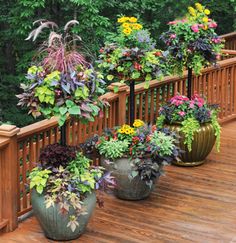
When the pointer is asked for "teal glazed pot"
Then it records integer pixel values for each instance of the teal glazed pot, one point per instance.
(203, 142)
(54, 224)
(127, 189)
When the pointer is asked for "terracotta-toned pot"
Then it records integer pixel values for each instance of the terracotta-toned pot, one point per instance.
(54, 224)
(203, 142)
(127, 189)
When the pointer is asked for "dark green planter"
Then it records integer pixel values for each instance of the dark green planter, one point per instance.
(127, 189)
(203, 142)
(54, 224)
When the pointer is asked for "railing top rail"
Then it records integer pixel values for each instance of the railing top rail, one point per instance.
(37, 127)
(229, 35)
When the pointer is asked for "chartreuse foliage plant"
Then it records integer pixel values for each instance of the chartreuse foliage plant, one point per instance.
(66, 183)
(139, 143)
(189, 127)
(192, 41)
(190, 113)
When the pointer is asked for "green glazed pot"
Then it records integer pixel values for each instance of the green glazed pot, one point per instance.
(127, 189)
(203, 142)
(54, 224)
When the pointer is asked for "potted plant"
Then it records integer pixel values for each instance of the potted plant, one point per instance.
(61, 83)
(63, 191)
(130, 55)
(192, 43)
(135, 156)
(195, 124)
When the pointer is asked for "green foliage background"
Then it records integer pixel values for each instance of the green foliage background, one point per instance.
(96, 17)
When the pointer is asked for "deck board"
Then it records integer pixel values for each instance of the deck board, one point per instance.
(188, 205)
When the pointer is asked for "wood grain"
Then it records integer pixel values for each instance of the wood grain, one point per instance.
(188, 205)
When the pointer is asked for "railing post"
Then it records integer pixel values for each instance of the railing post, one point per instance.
(8, 177)
(122, 90)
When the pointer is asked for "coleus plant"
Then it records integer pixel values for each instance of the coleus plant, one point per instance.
(62, 82)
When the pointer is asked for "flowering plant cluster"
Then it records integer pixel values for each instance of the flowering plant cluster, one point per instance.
(67, 181)
(139, 143)
(55, 93)
(192, 41)
(62, 82)
(191, 113)
(130, 54)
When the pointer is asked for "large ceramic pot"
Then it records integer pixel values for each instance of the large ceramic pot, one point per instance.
(127, 189)
(54, 224)
(203, 142)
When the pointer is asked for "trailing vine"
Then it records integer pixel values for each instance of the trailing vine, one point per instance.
(189, 127)
(217, 129)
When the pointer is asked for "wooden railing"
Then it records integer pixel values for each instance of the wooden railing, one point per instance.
(20, 148)
(230, 40)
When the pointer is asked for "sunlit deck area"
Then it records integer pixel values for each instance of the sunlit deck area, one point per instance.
(189, 205)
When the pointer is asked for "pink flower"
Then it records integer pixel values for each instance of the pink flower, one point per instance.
(216, 40)
(173, 36)
(195, 28)
(191, 105)
(181, 113)
(198, 100)
(212, 25)
(172, 22)
(178, 100)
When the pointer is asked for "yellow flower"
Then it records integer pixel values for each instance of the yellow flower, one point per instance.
(126, 25)
(138, 123)
(199, 7)
(205, 19)
(205, 27)
(192, 11)
(207, 11)
(137, 26)
(132, 19)
(121, 19)
(127, 31)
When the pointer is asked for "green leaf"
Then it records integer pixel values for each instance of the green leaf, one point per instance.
(148, 77)
(75, 110)
(116, 89)
(146, 85)
(110, 77)
(135, 75)
(63, 110)
(39, 189)
(69, 103)
(61, 120)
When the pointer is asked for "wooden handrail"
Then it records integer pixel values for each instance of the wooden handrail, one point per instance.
(230, 52)
(229, 35)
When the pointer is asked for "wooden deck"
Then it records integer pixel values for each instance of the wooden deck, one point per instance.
(189, 205)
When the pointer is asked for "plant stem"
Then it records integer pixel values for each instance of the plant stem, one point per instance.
(131, 102)
(189, 84)
(63, 135)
